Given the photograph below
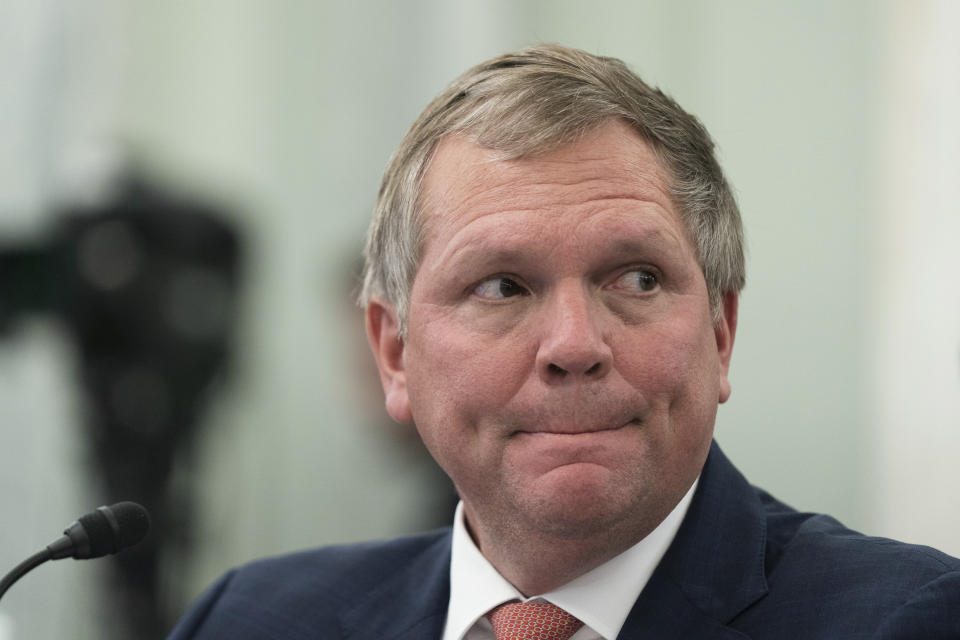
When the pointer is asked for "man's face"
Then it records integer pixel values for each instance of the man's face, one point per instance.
(560, 363)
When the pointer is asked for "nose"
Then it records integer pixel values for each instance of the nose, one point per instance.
(573, 346)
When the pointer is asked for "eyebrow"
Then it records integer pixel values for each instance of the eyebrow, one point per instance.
(652, 237)
(474, 254)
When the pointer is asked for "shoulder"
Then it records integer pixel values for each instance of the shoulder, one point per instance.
(818, 568)
(797, 541)
(302, 592)
(362, 565)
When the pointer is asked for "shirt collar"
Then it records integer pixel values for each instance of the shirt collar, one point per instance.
(602, 598)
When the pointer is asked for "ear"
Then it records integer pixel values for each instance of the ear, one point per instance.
(383, 333)
(725, 329)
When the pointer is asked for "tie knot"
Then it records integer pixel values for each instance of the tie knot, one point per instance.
(532, 621)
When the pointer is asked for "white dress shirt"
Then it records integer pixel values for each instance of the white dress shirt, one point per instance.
(602, 598)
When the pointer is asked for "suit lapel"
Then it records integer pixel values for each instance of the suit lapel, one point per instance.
(407, 605)
(715, 567)
(665, 613)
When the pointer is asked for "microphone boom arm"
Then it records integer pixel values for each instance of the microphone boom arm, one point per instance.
(23, 568)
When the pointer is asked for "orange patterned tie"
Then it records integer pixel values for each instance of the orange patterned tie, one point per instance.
(532, 621)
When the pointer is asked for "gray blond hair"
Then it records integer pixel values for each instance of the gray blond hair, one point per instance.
(534, 101)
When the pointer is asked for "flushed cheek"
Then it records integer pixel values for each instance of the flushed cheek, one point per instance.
(674, 374)
(478, 366)
(657, 370)
(459, 384)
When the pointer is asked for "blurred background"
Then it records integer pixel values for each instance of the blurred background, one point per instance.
(184, 188)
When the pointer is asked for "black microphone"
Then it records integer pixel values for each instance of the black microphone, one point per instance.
(104, 531)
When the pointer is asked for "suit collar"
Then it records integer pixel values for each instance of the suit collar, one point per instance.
(715, 567)
(410, 604)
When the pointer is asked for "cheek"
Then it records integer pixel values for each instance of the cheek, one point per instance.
(457, 376)
(459, 385)
(676, 371)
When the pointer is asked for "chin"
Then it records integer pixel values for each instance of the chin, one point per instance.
(567, 522)
(572, 503)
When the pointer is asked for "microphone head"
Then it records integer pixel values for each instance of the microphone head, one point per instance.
(133, 522)
(108, 530)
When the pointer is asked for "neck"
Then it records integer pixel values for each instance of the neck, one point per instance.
(536, 562)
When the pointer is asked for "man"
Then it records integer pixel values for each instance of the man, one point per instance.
(551, 297)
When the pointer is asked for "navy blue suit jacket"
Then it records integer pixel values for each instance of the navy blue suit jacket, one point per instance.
(743, 565)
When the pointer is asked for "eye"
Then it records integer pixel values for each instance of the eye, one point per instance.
(638, 280)
(498, 288)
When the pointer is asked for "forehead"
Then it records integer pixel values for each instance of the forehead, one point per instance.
(465, 182)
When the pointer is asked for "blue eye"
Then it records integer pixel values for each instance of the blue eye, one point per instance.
(498, 288)
(639, 280)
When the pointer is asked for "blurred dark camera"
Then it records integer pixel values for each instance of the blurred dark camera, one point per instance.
(147, 289)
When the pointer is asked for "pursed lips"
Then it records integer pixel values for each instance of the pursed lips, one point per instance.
(573, 430)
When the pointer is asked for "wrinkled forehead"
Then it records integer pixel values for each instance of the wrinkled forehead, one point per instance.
(465, 180)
